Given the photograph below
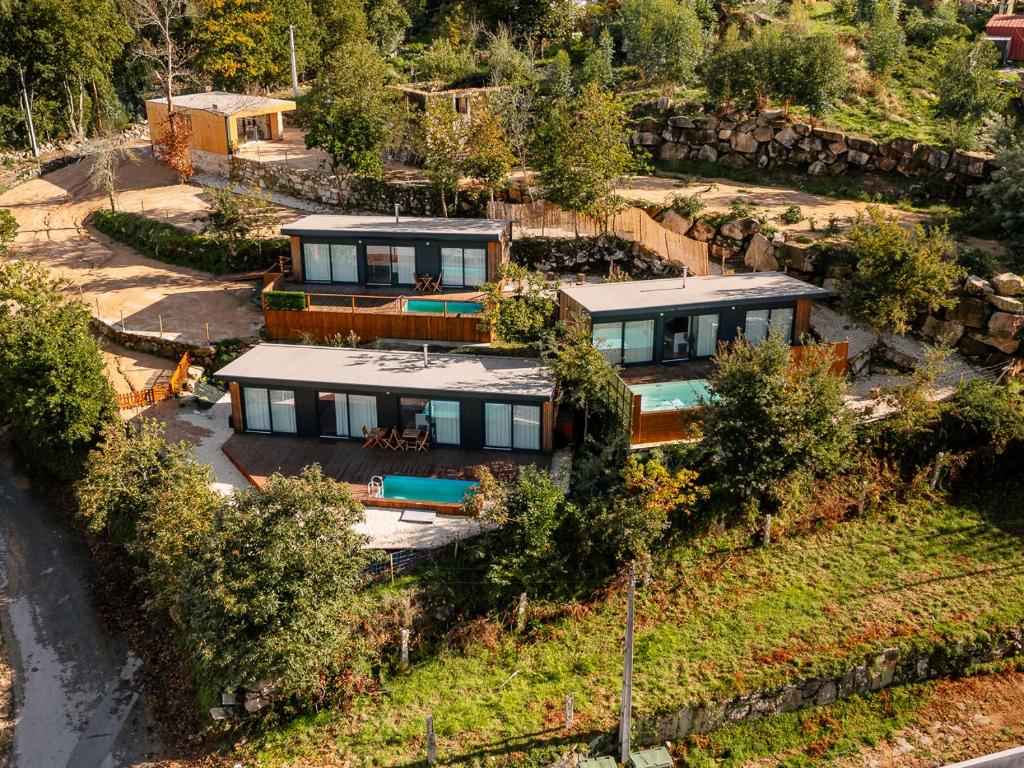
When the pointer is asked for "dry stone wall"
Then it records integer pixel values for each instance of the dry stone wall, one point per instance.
(768, 139)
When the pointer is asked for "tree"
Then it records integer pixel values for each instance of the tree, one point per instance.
(1004, 192)
(342, 23)
(558, 81)
(508, 65)
(351, 112)
(898, 273)
(151, 497)
(584, 376)
(523, 316)
(107, 156)
(58, 396)
(445, 61)
(886, 41)
(515, 107)
(489, 155)
(967, 81)
(583, 153)
(441, 140)
(663, 38)
(767, 419)
(271, 590)
(597, 66)
(388, 21)
(235, 215)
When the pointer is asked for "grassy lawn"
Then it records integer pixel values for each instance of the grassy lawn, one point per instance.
(718, 619)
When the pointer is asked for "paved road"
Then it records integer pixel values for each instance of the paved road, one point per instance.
(76, 701)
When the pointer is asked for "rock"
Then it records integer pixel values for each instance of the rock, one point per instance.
(787, 137)
(799, 256)
(1005, 303)
(827, 134)
(863, 143)
(975, 286)
(664, 103)
(832, 285)
(704, 232)
(743, 142)
(676, 222)
(817, 168)
(803, 129)
(945, 332)
(724, 133)
(708, 154)
(1007, 346)
(970, 163)
(904, 146)
(974, 313)
(219, 713)
(764, 133)
(885, 163)
(740, 229)
(681, 121)
(646, 139)
(838, 148)
(671, 151)
(857, 157)
(1008, 284)
(1006, 324)
(735, 160)
(760, 255)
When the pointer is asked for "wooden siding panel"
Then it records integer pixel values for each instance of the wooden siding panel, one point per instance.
(236, 406)
(494, 259)
(296, 258)
(292, 325)
(665, 426)
(839, 351)
(802, 323)
(547, 427)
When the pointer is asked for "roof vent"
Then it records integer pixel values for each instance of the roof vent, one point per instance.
(686, 272)
(426, 360)
(396, 213)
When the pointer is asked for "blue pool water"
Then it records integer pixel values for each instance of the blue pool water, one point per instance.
(435, 307)
(426, 489)
(671, 395)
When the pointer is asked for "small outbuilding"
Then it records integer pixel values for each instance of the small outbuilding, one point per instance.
(221, 121)
(1008, 30)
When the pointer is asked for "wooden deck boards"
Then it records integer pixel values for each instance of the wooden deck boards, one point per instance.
(686, 369)
(259, 456)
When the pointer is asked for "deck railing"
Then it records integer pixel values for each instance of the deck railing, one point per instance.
(162, 391)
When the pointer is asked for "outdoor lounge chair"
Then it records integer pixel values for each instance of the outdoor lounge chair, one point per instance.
(372, 438)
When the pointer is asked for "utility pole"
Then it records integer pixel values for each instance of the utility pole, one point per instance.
(626, 715)
(28, 115)
(295, 68)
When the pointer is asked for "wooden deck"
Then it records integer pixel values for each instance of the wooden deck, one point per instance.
(361, 298)
(259, 456)
(680, 371)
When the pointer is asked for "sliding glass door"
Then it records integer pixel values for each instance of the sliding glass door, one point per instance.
(391, 264)
(344, 415)
(269, 410)
(403, 262)
(441, 417)
(676, 339)
(510, 426)
(705, 327)
(464, 267)
(378, 265)
(316, 262)
(344, 263)
(626, 343)
(761, 322)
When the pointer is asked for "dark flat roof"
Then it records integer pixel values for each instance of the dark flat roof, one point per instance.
(647, 296)
(370, 369)
(325, 225)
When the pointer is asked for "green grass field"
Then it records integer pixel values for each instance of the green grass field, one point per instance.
(718, 619)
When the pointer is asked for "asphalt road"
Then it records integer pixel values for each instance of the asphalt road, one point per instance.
(77, 703)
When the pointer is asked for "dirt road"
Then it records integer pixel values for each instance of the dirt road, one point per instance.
(113, 278)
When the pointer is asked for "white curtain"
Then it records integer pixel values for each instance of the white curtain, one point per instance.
(474, 267)
(526, 427)
(445, 415)
(344, 268)
(341, 415)
(451, 265)
(362, 412)
(638, 341)
(608, 339)
(257, 412)
(497, 425)
(282, 410)
(782, 324)
(756, 328)
(317, 262)
(405, 264)
(707, 334)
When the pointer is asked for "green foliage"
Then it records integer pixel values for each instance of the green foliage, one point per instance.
(151, 497)
(342, 22)
(58, 397)
(558, 80)
(236, 215)
(967, 81)
(8, 230)
(689, 206)
(290, 300)
(489, 155)
(584, 375)
(387, 21)
(174, 245)
(269, 596)
(987, 414)
(351, 111)
(768, 420)
(597, 65)
(507, 64)
(898, 273)
(779, 63)
(441, 140)
(1004, 193)
(446, 62)
(886, 42)
(523, 316)
(582, 153)
(663, 38)
(792, 215)
(941, 22)
(525, 553)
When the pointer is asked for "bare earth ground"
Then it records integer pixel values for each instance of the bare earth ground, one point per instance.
(6, 707)
(964, 719)
(115, 279)
(131, 371)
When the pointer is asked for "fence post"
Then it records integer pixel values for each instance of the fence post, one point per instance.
(391, 568)
(403, 662)
(570, 701)
(121, 312)
(521, 613)
(97, 307)
(767, 533)
(160, 320)
(431, 742)
(207, 333)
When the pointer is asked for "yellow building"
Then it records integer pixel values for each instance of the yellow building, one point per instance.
(221, 122)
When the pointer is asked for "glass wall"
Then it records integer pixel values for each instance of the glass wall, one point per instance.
(342, 415)
(676, 340)
(344, 263)
(706, 329)
(627, 342)
(512, 426)
(316, 262)
(464, 267)
(269, 410)
(761, 322)
(441, 417)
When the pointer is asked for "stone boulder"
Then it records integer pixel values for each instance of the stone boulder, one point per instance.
(740, 229)
(947, 332)
(1006, 324)
(760, 255)
(1004, 345)
(704, 232)
(764, 133)
(857, 157)
(787, 137)
(1006, 303)
(743, 142)
(676, 222)
(974, 313)
(975, 286)
(707, 153)
(1008, 284)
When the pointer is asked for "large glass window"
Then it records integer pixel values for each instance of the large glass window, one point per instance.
(378, 265)
(706, 329)
(676, 341)
(512, 426)
(628, 342)
(269, 410)
(464, 267)
(362, 412)
(403, 261)
(781, 323)
(344, 415)
(344, 264)
(441, 417)
(761, 322)
(756, 327)
(317, 262)
(391, 263)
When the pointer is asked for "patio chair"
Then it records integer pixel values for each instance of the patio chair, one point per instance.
(393, 441)
(371, 439)
(421, 282)
(436, 282)
(422, 443)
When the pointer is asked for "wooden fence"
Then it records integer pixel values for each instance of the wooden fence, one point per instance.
(162, 391)
(631, 224)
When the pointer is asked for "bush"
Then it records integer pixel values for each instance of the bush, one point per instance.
(968, 81)
(689, 206)
(289, 300)
(526, 315)
(1004, 194)
(885, 47)
(175, 245)
(8, 229)
(792, 215)
(943, 21)
(663, 38)
(987, 415)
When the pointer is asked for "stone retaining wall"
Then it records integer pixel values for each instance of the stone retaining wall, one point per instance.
(202, 354)
(740, 140)
(591, 255)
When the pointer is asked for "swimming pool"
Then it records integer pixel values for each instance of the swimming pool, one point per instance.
(436, 307)
(426, 489)
(671, 395)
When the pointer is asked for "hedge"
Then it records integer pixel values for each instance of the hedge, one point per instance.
(293, 300)
(176, 245)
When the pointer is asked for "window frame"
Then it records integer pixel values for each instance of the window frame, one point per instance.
(513, 446)
(270, 411)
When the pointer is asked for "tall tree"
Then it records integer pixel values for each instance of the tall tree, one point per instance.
(663, 38)
(107, 156)
(886, 41)
(352, 112)
(968, 81)
(441, 139)
(488, 152)
(582, 153)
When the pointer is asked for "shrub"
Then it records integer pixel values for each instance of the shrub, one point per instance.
(886, 43)
(1004, 193)
(792, 215)
(967, 81)
(689, 206)
(290, 300)
(523, 316)
(943, 21)
(8, 229)
(987, 415)
(663, 38)
(175, 245)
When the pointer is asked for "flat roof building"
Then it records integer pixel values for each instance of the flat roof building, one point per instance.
(325, 225)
